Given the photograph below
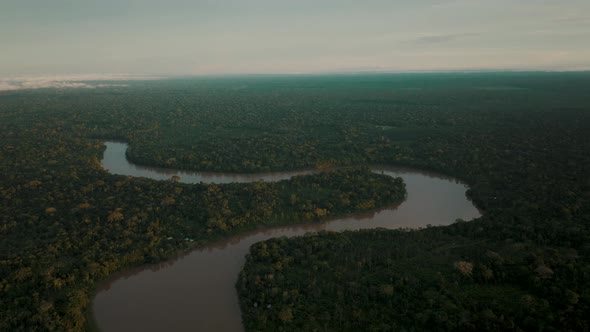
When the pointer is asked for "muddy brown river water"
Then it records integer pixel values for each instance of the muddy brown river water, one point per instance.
(196, 292)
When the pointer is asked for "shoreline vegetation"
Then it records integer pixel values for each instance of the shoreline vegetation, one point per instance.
(263, 204)
(196, 244)
(425, 193)
(65, 223)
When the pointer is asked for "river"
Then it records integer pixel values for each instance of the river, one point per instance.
(196, 292)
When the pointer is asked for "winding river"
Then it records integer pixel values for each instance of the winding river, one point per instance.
(196, 292)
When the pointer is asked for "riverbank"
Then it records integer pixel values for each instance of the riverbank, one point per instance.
(210, 272)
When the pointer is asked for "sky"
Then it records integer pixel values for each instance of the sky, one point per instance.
(210, 37)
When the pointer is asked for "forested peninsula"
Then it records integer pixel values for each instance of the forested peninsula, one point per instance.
(519, 140)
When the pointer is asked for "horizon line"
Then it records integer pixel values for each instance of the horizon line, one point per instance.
(106, 76)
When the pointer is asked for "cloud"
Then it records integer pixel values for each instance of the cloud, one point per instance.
(573, 19)
(439, 39)
(86, 81)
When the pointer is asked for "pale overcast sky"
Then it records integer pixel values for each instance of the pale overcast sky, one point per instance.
(193, 37)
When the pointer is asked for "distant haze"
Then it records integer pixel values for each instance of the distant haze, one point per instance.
(204, 37)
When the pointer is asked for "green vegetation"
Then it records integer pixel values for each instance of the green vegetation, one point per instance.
(434, 280)
(520, 140)
(67, 224)
(524, 265)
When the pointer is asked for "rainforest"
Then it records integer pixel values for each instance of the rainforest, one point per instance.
(517, 142)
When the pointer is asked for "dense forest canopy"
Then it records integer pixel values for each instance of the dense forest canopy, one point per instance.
(520, 140)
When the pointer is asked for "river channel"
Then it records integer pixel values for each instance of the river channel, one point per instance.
(196, 292)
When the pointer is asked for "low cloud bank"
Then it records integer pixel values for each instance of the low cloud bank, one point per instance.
(88, 81)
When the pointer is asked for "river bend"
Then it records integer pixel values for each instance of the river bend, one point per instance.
(196, 292)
